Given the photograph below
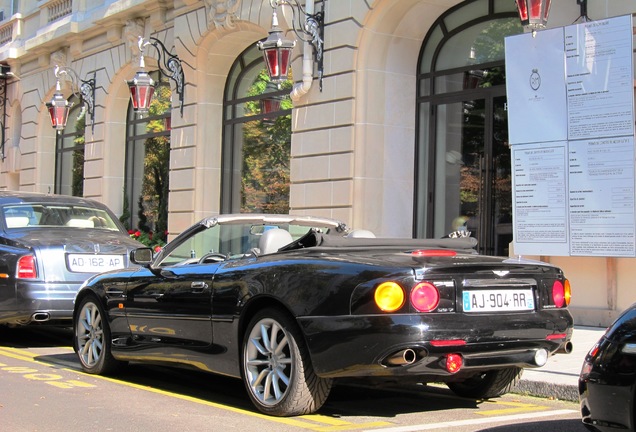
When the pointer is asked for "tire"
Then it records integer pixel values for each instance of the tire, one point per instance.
(276, 368)
(488, 384)
(92, 339)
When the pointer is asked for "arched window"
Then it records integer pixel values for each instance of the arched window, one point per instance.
(69, 152)
(147, 166)
(256, 139)
(462, 156)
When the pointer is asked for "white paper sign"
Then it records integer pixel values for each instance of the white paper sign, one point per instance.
(573, 157)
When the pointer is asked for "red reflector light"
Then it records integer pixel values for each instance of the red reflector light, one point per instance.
(425, 297)
(26, 267)
(593, 351)
(433, 252)
(448, 342)
(558, 294)
(454, 362)
(556, 336)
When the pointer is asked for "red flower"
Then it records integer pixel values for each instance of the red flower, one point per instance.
(157, 248)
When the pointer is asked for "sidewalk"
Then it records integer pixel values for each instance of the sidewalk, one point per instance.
(559, 378)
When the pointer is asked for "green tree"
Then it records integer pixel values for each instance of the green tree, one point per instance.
(77, 182)
(266, 155)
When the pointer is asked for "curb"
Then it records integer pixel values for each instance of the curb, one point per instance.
(547, 390)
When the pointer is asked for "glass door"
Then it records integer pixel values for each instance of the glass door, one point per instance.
(472, 187)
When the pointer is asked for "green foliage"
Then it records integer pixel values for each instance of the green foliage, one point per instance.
(266, 155)
(125, 215)
(153, 201)
(77, 181)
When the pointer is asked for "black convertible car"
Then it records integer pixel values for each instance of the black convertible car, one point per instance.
(49, 245)
(289, 304)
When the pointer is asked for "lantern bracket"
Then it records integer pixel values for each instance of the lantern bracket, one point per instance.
(169, 65)
(309, 27)
(85, 90)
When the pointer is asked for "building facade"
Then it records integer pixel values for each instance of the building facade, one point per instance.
(403, 134)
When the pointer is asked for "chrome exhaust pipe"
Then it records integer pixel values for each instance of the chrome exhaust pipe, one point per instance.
(41, 316)
(565, 348)
(402, 358)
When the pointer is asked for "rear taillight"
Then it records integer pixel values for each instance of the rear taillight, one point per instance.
(425, 297)
(26, 267)
(560, 296)
(389, 296)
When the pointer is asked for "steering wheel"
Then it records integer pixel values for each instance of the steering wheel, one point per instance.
(212, 257)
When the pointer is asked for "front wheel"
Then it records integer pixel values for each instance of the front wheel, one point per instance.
(277, 371)
(488, 384)
(92, 338)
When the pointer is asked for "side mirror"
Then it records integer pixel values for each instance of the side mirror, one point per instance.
(141, 256)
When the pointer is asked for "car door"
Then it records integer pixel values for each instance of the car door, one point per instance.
(169, 307)
(173, 307)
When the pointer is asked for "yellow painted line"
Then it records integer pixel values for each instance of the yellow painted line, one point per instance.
(310, 422)
(9, 352)
(516, 407)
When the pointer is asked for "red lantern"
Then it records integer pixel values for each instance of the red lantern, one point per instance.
(142, 88)
(533, 13)
(276, 52)
(271, 102)
(270, 105)
(58, 109)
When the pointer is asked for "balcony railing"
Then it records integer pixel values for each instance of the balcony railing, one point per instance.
(6, 33)
(59, 9)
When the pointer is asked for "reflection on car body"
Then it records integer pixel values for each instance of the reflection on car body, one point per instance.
(50, 244)
(292, 303)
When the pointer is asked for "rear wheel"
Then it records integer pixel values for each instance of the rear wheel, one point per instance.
(277, 371)
(488, 384)
(92, 338)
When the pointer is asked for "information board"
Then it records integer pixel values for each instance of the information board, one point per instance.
(571, 128)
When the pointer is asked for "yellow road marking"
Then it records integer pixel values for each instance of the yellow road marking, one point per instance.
(311, 422)
(517, 407)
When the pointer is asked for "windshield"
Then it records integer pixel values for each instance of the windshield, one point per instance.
(56, 215)
(229, 241)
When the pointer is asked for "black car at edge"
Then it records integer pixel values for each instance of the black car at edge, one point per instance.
(607, 384)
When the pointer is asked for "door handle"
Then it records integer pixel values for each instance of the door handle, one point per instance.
(198, 286)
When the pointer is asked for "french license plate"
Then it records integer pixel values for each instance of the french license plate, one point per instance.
(91, 263)
(498, 300)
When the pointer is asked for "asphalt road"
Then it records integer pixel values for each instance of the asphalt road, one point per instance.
(43, 389)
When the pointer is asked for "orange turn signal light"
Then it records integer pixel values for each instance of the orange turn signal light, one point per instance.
(389, 296)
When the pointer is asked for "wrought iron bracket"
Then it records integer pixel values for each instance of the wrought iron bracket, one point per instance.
(312, 30)
(169, 65)
(86, 89)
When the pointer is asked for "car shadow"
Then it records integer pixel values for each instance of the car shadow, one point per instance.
(35, 336)
(346, 398)
(540, 426)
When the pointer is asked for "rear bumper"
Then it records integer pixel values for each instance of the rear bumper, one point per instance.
(38, 302)
(350, 346)
(606, 407)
